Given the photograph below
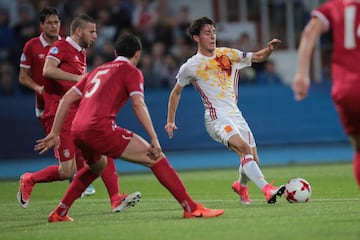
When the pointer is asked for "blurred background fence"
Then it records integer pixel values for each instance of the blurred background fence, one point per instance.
(276, 120)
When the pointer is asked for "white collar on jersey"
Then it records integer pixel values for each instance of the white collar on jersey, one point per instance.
(202, 55)
(74, 44)
(122, 58)
(44, 43)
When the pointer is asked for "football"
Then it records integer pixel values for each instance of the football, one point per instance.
(298, 190)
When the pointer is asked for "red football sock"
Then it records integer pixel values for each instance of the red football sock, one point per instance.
(356, 166)
(48, 174)
(168, 177)
(110, 178)
(83, 178)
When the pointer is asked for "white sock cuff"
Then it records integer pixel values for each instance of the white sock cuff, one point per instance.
(248, 156)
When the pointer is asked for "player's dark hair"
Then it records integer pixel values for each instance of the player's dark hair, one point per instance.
(80, 21)
(48, 11)
(127, 45)
(198, 24)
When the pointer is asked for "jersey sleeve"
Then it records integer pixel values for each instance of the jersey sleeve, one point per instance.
(80, 86)
(56, 52)
(323, 13)
(135, 82)
(183, 77)
(26, 56)
(243, 58)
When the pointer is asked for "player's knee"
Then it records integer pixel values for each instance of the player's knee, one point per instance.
(66, 173)
(99, 166)
(243, 149)
(149, 160)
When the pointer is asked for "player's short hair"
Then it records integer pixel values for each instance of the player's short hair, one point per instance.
(48, 11)
(198, 24)
(80, 21)
(127, 45)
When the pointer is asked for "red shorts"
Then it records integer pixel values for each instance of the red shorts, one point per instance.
(66, 151)
(110, 141)
(348, 107)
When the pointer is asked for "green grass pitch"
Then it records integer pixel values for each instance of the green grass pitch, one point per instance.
(332, 213)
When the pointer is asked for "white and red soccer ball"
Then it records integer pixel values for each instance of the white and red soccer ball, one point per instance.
(298, 190)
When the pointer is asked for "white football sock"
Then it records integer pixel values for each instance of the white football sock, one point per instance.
(253, 171)
(243, 179)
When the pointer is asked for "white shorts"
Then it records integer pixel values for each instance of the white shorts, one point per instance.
(223, 128)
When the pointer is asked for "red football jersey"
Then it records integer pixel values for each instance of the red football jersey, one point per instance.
(104, 91)
(71, 58)
(33, 58)
(343, 18)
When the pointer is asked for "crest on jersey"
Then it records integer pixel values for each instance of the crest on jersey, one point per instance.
(54, 50)
(23, 57)
(66, 153)
(224, 63)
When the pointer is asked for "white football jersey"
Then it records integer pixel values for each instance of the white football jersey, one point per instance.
(216, 79)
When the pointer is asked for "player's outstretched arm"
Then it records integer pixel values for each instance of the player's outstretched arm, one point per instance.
(309, 36)
(142, 113)
(51, 70)
(53, 139)
(26, 80)
(173, 103)
(264, 53)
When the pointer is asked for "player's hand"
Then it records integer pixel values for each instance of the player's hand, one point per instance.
(169, 128)
(40, 90)
(44, 144)
(79, 77)
(155, 149)
(274, 44)
(300, 87)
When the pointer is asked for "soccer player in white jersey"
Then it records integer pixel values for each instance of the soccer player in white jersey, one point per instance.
(214, 72)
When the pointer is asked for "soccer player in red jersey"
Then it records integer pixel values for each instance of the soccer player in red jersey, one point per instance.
(343, 18)
(65, 64)
(102, 94)
(31, 66)
(33, 56)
